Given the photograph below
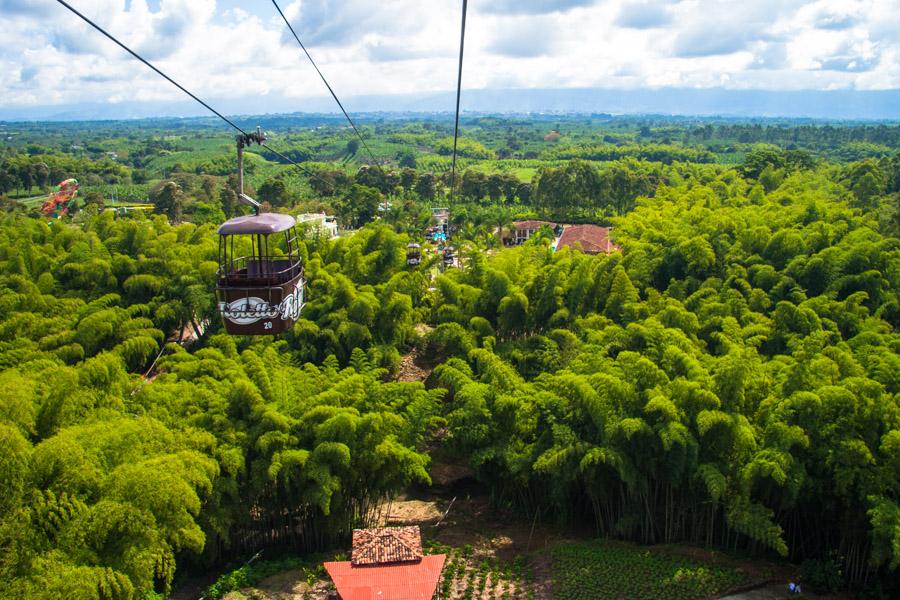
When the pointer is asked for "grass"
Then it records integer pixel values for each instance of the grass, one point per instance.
(602, 569)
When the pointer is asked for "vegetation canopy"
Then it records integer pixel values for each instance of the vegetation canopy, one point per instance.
(728, 377)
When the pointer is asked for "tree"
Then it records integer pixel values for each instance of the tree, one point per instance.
(426, 186)
(373, 176)
(352, 147)
(169, 199)
(760, 157)
(94, 198)
(568, 191)
(866, 181)
(41, 175)
(406, 158)
(228, 195)
(408, 179)
(330, 182)
(473, 185)
(621, 294)
(360, 205)
(228, 200)
(9, 179)
(274, 191)
(208, 188)
(494, 187)
(729, 378)
(26, 177)
(770, 178)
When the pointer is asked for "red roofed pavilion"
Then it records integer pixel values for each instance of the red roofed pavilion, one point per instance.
(387, 564)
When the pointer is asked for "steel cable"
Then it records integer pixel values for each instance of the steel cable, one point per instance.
(325, 81)
(185, 90)
(462, 42)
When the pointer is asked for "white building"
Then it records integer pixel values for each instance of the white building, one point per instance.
(324, 224)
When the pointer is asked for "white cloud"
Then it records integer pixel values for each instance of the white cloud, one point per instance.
(229, 49)
(533, 7)
(526, 37)
(644, 15)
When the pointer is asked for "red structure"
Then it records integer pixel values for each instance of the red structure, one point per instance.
(400, 581)
(592, 239)
(62, 199)
(387, 564)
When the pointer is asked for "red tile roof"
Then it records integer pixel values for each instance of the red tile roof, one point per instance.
(532, 224)
(592, 238)
(385, 545)
(404, 581)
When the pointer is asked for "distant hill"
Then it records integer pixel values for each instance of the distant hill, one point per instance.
(817, 104)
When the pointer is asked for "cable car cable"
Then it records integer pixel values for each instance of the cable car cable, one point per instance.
(325, 81)
(140, 58)
(183, 89)
(462, 42)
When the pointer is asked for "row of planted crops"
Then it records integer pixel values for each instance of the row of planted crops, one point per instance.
(468, 575)
(604, 569)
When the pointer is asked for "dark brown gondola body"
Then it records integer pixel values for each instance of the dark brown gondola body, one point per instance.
(259, 294)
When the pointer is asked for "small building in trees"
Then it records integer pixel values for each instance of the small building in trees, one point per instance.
(318, 223)
(440, 216)
(387, 563)
(523, 230)
(591, 239)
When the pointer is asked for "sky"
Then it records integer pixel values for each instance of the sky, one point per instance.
(241, 49)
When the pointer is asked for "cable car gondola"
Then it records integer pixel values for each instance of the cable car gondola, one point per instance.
(449, 256)
(259, 286)
(260, 293)
(413, 254)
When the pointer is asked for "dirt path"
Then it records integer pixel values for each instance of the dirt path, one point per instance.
(412, 368)
(772, 591)
(777, 591)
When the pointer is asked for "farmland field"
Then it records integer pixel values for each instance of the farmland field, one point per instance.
(602, 569)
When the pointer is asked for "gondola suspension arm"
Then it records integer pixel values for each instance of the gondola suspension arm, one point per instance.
(244, 140)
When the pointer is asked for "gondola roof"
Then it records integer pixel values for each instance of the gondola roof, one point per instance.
(263, 224)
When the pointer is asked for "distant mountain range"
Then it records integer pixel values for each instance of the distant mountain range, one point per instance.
(815, 104)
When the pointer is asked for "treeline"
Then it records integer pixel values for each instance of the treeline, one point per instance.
(580, 190)
(808, 136)
(664, 153)
(22, 172)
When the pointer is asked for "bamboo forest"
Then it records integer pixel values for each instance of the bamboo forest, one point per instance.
(724, 375)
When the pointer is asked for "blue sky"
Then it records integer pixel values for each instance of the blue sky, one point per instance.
(240, 49)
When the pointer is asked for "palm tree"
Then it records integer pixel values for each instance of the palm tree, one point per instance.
(501, 219)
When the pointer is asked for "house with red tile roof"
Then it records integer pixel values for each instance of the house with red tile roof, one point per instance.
(386, 545)
(591, 239)
(387, 563)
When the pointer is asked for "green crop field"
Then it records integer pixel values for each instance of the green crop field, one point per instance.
(601, 569)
